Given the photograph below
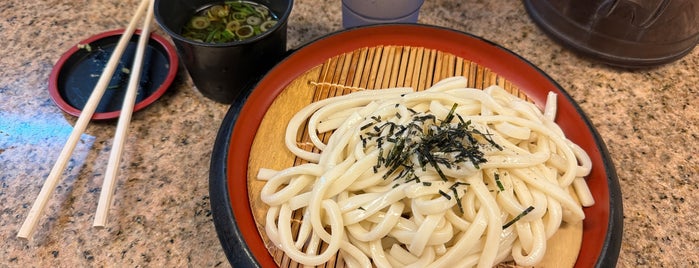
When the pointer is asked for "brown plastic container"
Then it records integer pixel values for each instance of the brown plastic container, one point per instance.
(626, 33)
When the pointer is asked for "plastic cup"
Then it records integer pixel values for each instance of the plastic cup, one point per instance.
(223, 72)
(365, 12)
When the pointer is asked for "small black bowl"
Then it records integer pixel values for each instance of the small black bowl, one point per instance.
(222, 71)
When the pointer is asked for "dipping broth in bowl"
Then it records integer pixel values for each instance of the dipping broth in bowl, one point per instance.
(225, 69)
(229, 21)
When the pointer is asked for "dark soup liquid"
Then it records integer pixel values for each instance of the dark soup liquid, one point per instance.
(229, 22)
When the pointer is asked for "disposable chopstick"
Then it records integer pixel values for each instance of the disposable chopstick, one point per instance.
(123, 125)
(49, 186)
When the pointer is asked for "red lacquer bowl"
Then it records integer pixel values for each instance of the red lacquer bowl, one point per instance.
(233, 217)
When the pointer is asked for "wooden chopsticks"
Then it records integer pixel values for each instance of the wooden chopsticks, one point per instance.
(123, 124)
(86, 114)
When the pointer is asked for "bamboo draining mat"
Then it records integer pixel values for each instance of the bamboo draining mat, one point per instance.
(371, 68)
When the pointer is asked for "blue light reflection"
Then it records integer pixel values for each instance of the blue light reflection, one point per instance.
(18, 129)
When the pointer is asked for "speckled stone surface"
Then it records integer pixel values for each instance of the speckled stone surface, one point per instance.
(161, 215)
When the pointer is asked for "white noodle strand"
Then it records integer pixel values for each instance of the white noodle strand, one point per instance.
(375, 197)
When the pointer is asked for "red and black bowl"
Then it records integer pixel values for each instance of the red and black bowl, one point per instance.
(233, 217)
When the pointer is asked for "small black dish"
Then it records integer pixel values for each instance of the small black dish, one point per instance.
(76, 73)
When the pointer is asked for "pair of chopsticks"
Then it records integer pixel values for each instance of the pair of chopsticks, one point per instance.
(122, 126)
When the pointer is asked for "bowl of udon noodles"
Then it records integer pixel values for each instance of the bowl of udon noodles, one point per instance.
(409, 145)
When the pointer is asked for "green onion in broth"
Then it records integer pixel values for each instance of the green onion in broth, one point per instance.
(229, 21)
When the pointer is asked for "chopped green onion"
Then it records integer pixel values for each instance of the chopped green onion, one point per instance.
(245, 32)
(200, 22)
(262, 11)
(267, 25)
(218, 11)
(498, 182)
(86, 47)
(238, 16)
(252, 20)
(233, 25)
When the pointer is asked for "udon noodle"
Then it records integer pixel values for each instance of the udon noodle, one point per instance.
(446, 177)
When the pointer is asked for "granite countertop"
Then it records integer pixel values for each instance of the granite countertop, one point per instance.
(161, 215)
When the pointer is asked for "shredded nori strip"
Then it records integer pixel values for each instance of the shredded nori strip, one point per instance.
(450, 116)
(391, 129)
(457, 184)
(379, 142)
(426, 141)
(446, 195)
(486, 136)
(524, 213)
(458, 200)
(431, 159)
(461, 119)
